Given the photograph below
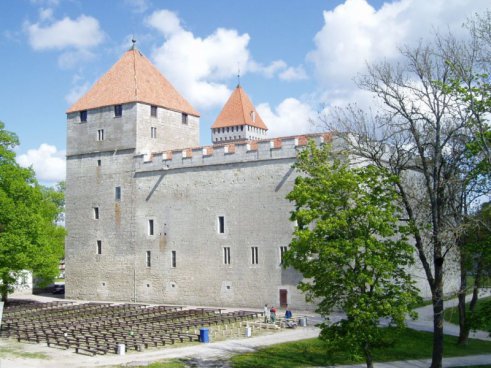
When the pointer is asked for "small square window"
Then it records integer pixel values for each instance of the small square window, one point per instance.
(99, 247)
(184, 118)
(96, 213)
(83, 116)
(150, 227)
(100, 134)
(118, 111)
(221, 224)
(117, 193)
(148, 258)
(153, 111)
(174, 259)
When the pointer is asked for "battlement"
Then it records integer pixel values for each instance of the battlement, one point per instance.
(267, 149)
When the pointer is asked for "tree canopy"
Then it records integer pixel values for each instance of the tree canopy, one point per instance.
(350, 247)
(30, 238)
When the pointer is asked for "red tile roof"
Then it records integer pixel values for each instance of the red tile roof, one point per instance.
(133, 79)
(237, 111)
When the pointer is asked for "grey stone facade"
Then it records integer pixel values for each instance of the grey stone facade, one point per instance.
(168, 210)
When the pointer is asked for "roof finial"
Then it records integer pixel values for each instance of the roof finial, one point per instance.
(238, 75)
(133, 40)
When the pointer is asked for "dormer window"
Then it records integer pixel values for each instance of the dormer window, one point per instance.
(118, 111)
(83, 116)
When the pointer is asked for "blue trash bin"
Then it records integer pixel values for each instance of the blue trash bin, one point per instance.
(203, 335)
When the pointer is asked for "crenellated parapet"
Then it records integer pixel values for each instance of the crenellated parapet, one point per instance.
(267, 149)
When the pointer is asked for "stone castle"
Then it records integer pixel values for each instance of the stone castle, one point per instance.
(153, 217)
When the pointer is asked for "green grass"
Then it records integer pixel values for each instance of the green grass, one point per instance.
(452, 314)
(13, 352)
(312, 352)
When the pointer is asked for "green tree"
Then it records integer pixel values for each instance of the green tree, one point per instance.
(476, 260)
(30, 239)
(348, 246)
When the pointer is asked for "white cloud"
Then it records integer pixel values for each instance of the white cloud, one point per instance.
(138, 6)
(200, 67)
(355, 33)
(81, 33)
(292, 74)
(75, 37)
(290, 117)
(47, 162)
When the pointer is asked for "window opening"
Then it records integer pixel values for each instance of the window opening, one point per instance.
(148, 259)
(153, 111)
(150, 227)
(117, 193)
(118, 111)
(254, 255)
(221, 224)
(96, 213)
(100, 134)
(174, 259)
(99, 247)
(226, 255)
(83, 116)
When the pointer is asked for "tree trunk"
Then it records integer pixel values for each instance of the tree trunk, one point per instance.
(463, 323)
(368, 356)
(437, 291)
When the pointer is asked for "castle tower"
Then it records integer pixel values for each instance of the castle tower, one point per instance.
(131, 110)
(238, 120)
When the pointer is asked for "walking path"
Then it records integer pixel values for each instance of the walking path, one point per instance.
(216, 354)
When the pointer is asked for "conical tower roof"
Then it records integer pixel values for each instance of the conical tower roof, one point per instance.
(239, 110)
(133, 79)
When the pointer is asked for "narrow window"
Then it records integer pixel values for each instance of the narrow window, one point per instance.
(184, 118)
(117, 193)
(282, 253)
(174, 259)
(241, 128)
(228, 129)
(99, 247)
(83, 116)
(153, 111)
(100, 135)
(153, 132)
(99, 162)
(118, 111)
(96, 213)
(254, 255)
(221, 224)
(226, 255)
(150, 227)
(148, 258)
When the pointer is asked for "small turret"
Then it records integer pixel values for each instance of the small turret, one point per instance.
(238, 120)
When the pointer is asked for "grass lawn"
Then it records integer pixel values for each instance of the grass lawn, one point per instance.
(452, 314)
(411, 345)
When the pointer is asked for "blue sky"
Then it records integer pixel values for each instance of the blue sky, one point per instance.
(294, 56)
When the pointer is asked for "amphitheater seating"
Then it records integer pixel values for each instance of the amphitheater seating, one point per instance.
(98, 328)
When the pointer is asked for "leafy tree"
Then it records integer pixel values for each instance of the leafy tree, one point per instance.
(29, 236)
(348, 247)
(476, 260)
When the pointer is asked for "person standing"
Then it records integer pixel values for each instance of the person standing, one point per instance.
(288, 313)
(273, 314)
(266, 313)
